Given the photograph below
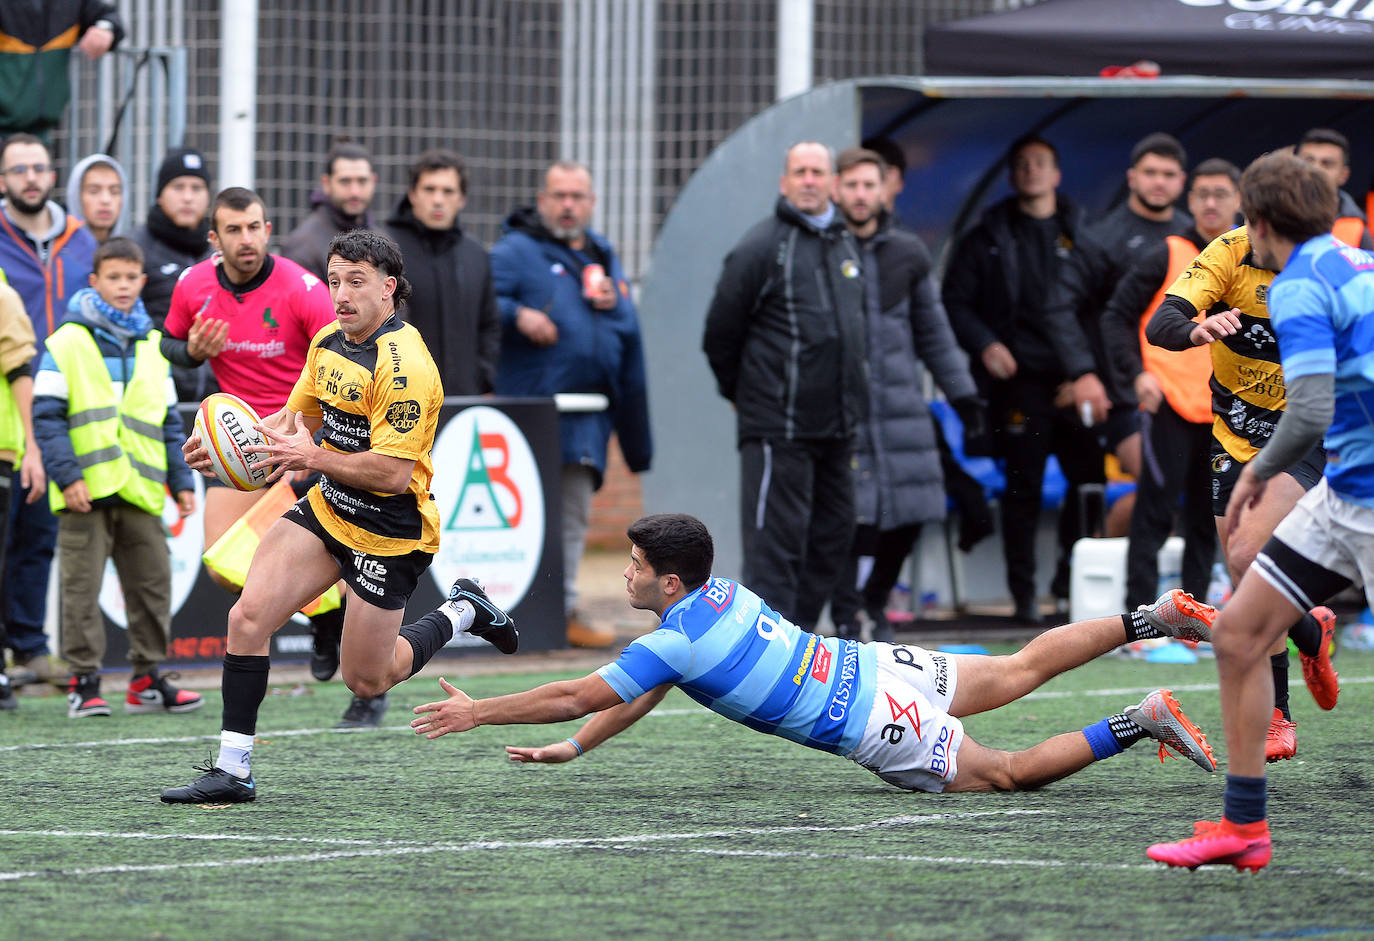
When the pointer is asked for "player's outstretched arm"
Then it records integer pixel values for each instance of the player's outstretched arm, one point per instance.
(602, 726)
(552, 702)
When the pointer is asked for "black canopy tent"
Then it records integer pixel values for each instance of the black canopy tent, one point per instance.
(1297, 39)
(955, 131)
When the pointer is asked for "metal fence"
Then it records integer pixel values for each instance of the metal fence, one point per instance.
(641, 91)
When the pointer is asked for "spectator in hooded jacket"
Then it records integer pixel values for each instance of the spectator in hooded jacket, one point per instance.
(339, 205)
(46, 256)
(570, 325)
(453, 304)
(95, 194)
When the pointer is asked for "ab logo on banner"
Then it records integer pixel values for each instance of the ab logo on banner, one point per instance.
(491, 505)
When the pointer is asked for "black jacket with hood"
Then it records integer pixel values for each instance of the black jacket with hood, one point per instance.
(785, 331)
(453, 302)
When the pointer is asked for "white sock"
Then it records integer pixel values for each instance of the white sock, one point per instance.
(459, 613)
(235, 752)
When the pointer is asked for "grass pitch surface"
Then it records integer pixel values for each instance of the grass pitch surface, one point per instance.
(686, 826)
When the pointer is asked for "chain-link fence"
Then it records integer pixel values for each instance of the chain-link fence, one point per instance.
(643, 92)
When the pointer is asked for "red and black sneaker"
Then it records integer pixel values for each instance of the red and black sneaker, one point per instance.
(1317, 672)
(83, 697)
(152, 693)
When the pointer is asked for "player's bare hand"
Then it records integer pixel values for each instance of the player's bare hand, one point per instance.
(197, 455)
(554, 754)
(1148, 392)
(31, 474)
(537, 326)
(1216, 327)
(458, 713)
(95, 42)
(1088, 389)
(1245, 495)
(78, 496)
(186, 503)
(998, 361)
(291, 448)
(207, 337)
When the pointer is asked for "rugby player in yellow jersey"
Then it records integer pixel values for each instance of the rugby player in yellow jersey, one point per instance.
(1230, 287)
(370, 383)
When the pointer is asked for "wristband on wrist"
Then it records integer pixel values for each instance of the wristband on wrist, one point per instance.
(573, 743)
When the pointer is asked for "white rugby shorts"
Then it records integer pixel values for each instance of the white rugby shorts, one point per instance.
(1333, 541)
(911, 740)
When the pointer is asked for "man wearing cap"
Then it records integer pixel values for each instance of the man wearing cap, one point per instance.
(176, 236)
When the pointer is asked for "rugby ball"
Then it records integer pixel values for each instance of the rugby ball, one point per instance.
(225, 423)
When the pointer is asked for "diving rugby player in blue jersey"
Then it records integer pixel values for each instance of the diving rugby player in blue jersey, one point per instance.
(893, 709)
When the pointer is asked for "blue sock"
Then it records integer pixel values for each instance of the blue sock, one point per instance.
(1244, 799)
(1101, 740)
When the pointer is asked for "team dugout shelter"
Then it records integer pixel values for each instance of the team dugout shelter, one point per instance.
(1254, 82)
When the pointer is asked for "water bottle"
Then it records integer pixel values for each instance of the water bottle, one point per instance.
(1219, 588)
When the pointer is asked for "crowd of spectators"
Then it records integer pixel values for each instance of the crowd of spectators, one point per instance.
(826, 318)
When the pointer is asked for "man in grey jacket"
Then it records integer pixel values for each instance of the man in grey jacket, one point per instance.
(784, 337)
(898, 484)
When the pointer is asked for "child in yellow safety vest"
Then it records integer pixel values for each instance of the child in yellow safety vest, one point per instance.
(105, 419)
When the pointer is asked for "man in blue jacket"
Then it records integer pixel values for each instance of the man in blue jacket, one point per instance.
(46, 255)
(568, 324)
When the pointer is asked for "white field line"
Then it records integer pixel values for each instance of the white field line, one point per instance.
(660, 713)
(406, 847)
(633, 842)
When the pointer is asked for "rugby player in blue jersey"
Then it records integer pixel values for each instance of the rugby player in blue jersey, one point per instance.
(1321, 306)
(893, 709)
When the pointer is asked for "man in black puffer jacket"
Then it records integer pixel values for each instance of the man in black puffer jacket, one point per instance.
(785, 338)
(453, 303)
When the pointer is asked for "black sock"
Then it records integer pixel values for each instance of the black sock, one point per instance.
(1278, 663)
(426, 637)
(1137, 628)
(1307, 635)
(1244, 801)
(330, 621)
(243, 687)
(1126, 732)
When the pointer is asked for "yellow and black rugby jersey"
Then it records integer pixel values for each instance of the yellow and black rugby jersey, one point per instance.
(384, 396)
(1247, 382)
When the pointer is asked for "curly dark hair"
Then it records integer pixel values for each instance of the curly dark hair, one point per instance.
(377, 250)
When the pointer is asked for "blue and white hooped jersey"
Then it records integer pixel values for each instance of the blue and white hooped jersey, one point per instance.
(736, 656)
(1322, 309)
